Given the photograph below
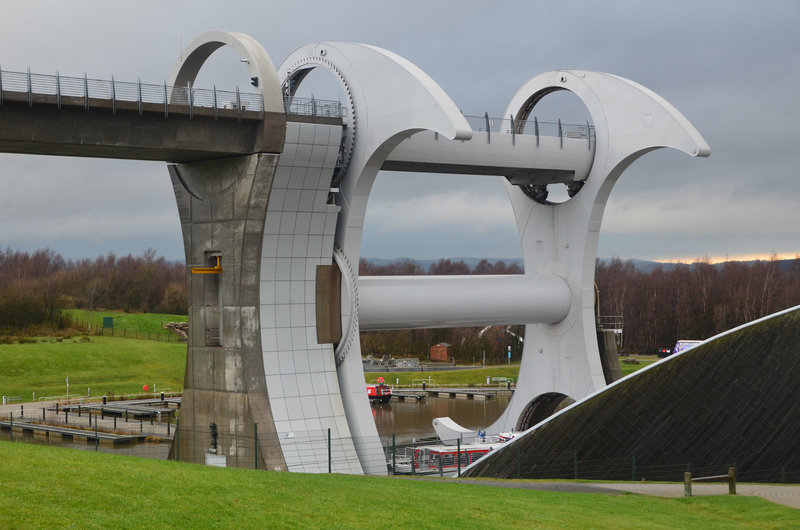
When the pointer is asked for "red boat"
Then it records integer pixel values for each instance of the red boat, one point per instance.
(380, 392)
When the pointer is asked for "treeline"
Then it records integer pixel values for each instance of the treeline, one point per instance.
(467, 345)
(658, 307)
(693, 301)
(36, 288)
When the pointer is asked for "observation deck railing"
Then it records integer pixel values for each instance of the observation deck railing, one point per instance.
(533, 126)
(189, 97)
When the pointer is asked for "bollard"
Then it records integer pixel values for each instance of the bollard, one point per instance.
(66, 416)
(104, 400)
(43, 410)
(162, 396)
(141, 426)
(4, 400)
(79, 411)
(423, 385)
(115, 422)
(687, 484)
(22, 411)
(126, 415)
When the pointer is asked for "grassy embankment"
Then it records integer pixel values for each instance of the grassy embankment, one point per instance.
(135, 325)
(108, 365)
(471, 377)
(112, 365)
(43, 489)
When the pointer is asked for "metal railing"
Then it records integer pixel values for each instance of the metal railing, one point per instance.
(188, 96)
(532, 127)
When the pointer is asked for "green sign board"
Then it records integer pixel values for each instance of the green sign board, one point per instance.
(108, 322)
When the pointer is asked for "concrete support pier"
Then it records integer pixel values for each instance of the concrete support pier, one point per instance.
(222, 206)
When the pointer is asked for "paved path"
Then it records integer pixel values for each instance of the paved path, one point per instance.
(788, 495)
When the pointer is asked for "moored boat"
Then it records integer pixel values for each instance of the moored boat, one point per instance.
(380, 392)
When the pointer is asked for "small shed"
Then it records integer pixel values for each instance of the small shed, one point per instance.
(440, 352)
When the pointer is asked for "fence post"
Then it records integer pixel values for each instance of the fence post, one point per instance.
(255, 444)
(687, 484)
(458, 456)
(96, 438)
(732, 480)
(11, 424)
(178, 440)
(330, 467)
(413, 457)
(394, 455)
(575, 462)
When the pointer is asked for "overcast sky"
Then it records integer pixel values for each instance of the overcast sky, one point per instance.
(731, 67)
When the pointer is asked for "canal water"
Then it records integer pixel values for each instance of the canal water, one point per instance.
(411, 420)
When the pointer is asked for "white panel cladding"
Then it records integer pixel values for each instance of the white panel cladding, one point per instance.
(301, 374)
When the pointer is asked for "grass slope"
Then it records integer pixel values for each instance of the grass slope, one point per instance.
(142, 323)
(49, 487)
(108, 365)
(472, 376)
(476, 376)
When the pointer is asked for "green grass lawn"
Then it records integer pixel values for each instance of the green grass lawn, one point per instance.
(630, 368)
(108, 365)
(146, 325)
(45, 487)
(470, 377)
(467, 377)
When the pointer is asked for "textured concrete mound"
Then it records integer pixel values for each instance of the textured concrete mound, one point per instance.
(731, 401)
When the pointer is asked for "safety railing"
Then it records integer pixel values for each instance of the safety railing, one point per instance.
(88, 89)
(532, 126)
(191, 97)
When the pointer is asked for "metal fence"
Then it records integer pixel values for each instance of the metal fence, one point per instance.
(159, 94)
(533, 126)
(335, 455)
(190, 97)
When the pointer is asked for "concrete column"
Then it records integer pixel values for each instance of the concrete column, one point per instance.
(222, 206)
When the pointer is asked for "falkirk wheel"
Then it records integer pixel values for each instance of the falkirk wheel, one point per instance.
(274, 359)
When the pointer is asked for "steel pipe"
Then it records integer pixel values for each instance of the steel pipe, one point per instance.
(416, 302)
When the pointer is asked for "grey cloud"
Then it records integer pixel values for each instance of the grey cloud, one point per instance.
(731, 67)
